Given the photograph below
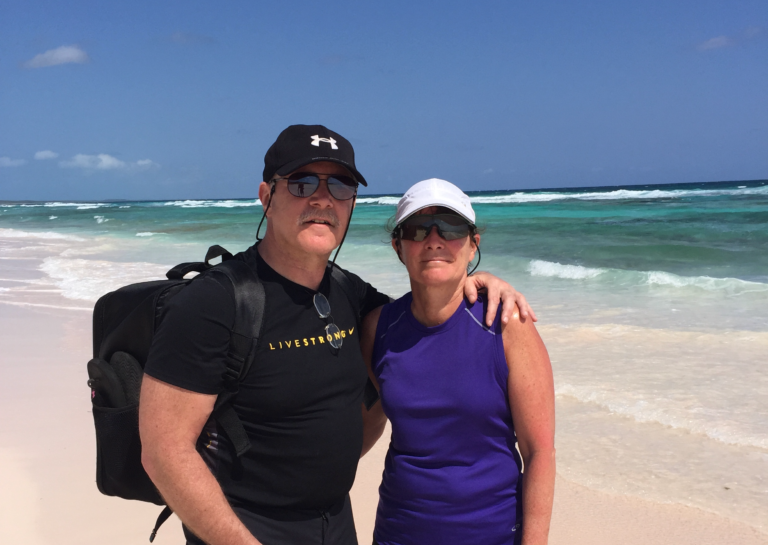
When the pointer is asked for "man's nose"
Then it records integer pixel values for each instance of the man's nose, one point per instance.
(322, 193)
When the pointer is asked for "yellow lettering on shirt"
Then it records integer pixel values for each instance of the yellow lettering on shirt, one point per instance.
(288, 344)
(343, 334)
(336, 336)
(320, 338)
(313, 340)
(296, 343)
(351, 331)
(306, 342)
(329, 337)
(271, 347)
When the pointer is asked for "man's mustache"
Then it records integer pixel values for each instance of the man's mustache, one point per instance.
(327, 216)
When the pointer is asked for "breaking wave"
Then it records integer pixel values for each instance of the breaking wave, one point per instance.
(49, 235)
(386, 200)
(733, 286)
(87, 280)
(618, 194)
(538, 267)
(213, 203)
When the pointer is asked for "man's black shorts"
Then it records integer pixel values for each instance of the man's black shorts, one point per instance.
(333, 527)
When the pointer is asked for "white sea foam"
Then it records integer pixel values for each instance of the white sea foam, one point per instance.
(213, 203)
(731, 286)
(49, 235)
(148, 234)
(625, 402)
(100, 219)
(538, 267)
(618, 194)
(77, 205)
(52, 217)
(386, 200)
(87, 280)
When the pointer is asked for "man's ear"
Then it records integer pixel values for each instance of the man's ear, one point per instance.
(265, 193)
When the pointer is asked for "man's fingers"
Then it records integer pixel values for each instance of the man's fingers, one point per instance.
(490, 314)
(525, 309)
(470, 289)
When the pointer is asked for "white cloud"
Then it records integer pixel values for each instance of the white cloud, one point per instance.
(146, 163)
(715, 43)
(8, 162)
(102, 161)
(65, 54)
(47, 154)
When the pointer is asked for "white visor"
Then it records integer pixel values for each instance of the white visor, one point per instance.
(434, 192)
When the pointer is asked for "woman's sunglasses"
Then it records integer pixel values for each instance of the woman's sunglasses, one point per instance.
(304, 184)
(449, 227)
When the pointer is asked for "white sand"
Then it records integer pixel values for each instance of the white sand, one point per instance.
(47, 462)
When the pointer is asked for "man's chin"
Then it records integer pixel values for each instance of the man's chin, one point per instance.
(317, 243)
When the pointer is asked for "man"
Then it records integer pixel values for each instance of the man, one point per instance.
(300, 403)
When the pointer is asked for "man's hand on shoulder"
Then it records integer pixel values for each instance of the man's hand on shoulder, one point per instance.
(498, 291)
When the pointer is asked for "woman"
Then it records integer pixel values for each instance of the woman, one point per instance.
(458, 394)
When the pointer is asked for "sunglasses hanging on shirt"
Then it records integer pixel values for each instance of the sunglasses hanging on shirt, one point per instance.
(332, 331)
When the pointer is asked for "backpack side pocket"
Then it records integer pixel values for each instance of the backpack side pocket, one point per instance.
(118, 455)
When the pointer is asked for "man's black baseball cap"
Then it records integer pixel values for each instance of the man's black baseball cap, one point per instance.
(300, 145)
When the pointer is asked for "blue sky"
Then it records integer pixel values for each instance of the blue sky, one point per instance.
(153, 100)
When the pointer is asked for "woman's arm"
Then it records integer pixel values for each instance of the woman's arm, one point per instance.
(374, 419)
(532, 403)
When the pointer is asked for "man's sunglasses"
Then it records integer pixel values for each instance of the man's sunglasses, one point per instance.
(304, 184)
(332, 331)
(449, 227)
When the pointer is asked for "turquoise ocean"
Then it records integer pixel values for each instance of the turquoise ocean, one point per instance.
(652, 301)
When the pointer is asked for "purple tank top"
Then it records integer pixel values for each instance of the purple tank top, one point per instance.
(452, 472)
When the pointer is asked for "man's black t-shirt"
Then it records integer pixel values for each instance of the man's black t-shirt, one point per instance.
(300, 403)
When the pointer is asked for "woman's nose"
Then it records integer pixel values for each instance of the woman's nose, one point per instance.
(434, 240)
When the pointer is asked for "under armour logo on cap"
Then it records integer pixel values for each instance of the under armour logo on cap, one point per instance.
(300, 145)
(316, 141)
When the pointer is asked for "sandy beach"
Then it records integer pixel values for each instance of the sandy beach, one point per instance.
(47, 469)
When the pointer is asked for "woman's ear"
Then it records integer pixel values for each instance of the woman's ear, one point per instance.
(474, 244)
(396, 248)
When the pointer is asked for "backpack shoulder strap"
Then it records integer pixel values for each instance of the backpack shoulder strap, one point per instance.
(341, 278)
(249, 317)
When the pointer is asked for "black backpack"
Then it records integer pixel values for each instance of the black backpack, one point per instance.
(124, 323)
